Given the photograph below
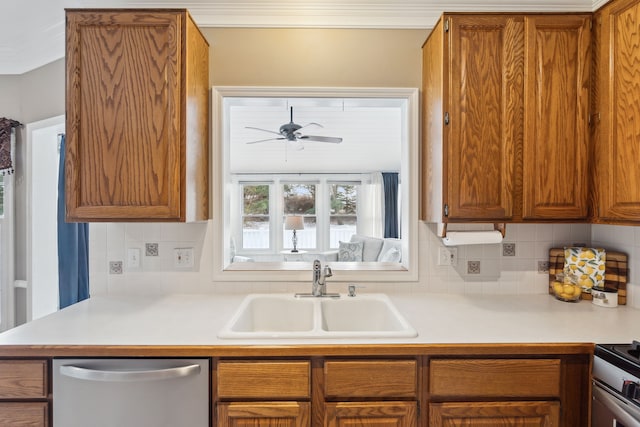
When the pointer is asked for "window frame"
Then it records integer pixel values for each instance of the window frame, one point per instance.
(267, 272)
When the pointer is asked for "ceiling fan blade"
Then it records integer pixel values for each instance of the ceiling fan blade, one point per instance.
(263, 130)
(311, 124)
(330, 139)
(265, 140)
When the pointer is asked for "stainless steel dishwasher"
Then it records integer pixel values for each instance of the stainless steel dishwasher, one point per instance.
(131, 392)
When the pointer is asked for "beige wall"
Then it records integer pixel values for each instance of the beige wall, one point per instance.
(315, 57)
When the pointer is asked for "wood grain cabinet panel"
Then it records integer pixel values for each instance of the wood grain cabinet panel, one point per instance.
(264, 414)
(472, 108)
(556, 138)
(616, 133)
(24, 414)
(374, 414)
(375, 378)
(495, 414)
(264, 379)
(491, 378)
(137, 125)
(23, 379)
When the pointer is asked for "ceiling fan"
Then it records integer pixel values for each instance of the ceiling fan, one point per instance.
(290, 132)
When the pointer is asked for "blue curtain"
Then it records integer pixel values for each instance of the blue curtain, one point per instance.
(73, 250)
(391, 223)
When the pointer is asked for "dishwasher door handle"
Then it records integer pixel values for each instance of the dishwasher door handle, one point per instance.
(115, 375)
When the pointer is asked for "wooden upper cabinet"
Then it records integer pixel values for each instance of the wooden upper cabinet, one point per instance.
(472, 106)
(505, 104)
(616, 114)
(556, 138)
(137, 125)
(484, 106)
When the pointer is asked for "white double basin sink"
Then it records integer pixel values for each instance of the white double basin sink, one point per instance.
(262, 316)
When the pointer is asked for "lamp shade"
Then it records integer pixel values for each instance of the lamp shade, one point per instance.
(294, 222)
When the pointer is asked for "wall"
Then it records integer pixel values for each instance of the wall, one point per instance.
(29, 97)
(315, 57)
(624, 239)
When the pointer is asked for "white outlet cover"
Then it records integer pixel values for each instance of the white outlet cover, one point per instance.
(183, 257)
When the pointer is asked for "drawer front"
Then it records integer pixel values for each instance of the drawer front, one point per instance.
(33, 414)
(264, 379)
(371, 378)
(23, 379)
(484, 378)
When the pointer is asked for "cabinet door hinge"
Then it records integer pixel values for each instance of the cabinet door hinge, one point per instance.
(446, 25)
(446, 210)
(446, 118)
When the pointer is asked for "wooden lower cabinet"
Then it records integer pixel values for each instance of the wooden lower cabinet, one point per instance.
(24, 414)
(495, 414)
(24, 393)
(378, 414)
(264, 414)
(370, 392)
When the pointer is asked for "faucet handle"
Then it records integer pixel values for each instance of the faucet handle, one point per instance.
(327, 271)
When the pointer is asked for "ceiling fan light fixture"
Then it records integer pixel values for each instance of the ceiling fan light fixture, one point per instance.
(290, 132)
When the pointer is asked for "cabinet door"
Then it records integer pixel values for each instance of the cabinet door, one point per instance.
(484, 106)
(123, 115)
(556, 140)
(482, 414)
(264, 414)
(617, 94)
(378, 414)
(31, 414)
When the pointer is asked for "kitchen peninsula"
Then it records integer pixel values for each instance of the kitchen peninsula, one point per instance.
(489, 342)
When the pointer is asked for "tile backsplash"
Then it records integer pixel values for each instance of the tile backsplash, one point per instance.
(511, 267)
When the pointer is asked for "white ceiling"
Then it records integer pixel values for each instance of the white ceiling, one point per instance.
(32, 31)
(371, 130)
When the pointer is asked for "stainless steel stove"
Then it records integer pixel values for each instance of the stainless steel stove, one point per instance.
(616, 385)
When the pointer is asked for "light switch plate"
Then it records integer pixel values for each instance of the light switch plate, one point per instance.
(133, 258)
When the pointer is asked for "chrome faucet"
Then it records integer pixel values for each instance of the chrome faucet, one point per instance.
(319, 287)
(319, 284)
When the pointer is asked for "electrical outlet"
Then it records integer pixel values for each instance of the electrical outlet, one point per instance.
(448, 256)
(543, 267)
(183, 257)
(473, 267)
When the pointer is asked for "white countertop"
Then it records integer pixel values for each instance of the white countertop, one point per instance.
(184, 320)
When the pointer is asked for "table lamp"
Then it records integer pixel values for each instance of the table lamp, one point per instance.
(294, 222)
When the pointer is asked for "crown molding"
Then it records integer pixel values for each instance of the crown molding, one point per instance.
(386, 14)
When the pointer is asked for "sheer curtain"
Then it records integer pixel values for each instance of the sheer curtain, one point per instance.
(371, 209)
(7, 223)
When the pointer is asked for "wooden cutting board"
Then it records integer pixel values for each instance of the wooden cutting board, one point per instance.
(615, 274)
